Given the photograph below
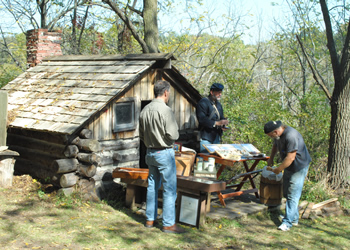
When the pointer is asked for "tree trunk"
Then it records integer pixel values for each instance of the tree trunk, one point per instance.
(339, 142)
(150, 25)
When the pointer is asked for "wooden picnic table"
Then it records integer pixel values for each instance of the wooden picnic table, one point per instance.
(249, 174)
(191, 187)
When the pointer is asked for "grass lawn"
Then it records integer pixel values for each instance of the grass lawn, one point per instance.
(30, 219)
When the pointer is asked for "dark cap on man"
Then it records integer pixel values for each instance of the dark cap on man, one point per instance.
(271, 126)
(217, 87)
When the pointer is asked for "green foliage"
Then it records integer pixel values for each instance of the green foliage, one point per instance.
(224, 223)
(8, 72)
(15, 50)
(315, 192)
(68, 202)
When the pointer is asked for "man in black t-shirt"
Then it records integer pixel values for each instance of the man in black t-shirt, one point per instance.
(295, 164)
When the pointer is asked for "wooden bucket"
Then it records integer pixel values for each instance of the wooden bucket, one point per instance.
(271, 191)
(184, 163)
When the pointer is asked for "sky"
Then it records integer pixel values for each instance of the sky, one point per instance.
(256, 17)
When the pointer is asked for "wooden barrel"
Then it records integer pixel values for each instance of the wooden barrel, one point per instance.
(271, 192)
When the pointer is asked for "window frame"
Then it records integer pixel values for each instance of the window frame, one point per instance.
(124, 126)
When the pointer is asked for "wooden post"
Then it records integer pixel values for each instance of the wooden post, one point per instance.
(7, 163)
(3, 117)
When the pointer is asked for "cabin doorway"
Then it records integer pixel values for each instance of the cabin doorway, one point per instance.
(143, 148)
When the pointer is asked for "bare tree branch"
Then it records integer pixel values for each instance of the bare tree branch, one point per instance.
(314, 72)
(330, 40)
(127, 21)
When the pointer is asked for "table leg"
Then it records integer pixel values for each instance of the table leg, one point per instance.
(130, 195)
(249, 176)
(237, 191)
(221, 198)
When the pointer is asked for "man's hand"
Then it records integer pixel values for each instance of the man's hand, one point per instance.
(221, 123)
(276, 170)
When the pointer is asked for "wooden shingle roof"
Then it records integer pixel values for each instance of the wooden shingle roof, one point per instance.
(63, 92)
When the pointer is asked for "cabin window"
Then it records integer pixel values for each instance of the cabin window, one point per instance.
(124, 115)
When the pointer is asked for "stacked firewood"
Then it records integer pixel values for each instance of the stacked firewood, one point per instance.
(310, 210)
(75, 172)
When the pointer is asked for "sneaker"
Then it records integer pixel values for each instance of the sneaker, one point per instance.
(295, 223)
(283, 227)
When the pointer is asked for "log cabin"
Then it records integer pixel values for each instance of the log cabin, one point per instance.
(73, 119)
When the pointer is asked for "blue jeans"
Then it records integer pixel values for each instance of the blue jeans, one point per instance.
(162, 170)
(292, 187)
(202, 149)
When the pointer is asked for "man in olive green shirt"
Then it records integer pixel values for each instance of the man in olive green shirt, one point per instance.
(158, 131)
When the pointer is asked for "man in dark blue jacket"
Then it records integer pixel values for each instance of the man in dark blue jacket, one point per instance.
(210, 116)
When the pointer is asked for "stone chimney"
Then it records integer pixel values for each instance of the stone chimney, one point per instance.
(40, 44)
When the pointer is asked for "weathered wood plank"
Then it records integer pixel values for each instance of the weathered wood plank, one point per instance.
(57, 85)
(92, 76)
(87, 62)
(3, 117)
(323, 203)
(307, 211)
